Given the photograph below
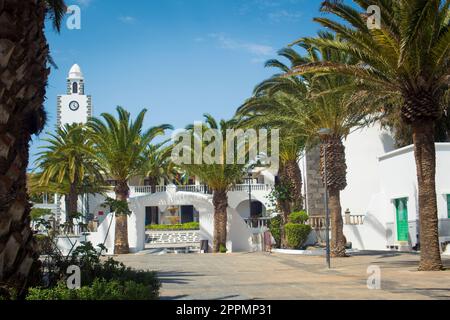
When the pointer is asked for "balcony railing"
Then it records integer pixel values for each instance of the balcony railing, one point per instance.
(200, 188)
(317, 222)
(353, 219)
(257, 223)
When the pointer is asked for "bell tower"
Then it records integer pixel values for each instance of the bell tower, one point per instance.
(75, 106)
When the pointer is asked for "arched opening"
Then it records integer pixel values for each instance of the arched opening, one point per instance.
(75, 87)
(254, 210)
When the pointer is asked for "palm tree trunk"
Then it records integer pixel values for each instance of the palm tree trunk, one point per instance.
(283, 205)
(338, 240)
(425, 155)
(73, 205)
(153, 182)
(220, 202)
(121, 245)
(333, 151)
(23, 76)
(294, 176)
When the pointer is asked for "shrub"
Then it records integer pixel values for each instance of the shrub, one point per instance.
(100, 289)
(44, 242)
(184, 226)
(37, 213)
(94, 270)
(296, 234)
(299, 217)
(222, 249)
(275, 229)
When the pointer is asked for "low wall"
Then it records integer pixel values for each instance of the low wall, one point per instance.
(172, 237)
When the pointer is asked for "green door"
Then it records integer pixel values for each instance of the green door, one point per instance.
(401, 206)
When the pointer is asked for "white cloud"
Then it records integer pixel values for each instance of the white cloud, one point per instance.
(127, 19)
(256, 49)
(280, 15)
(273, 10)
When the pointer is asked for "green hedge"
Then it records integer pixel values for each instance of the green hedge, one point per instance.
(296, 234)
(299, 217)
(100, 289)
(275, 229)
(184, 226)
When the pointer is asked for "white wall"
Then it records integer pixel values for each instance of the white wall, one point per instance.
(398, 179)
(363, 147)
(239, 236)
(69, 116)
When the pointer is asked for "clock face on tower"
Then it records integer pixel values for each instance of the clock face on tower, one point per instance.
(74, 106)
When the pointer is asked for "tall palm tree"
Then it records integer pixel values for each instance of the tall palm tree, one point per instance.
(312, 102)
(69, 156)
(219, 177)
(120, 144)
(260, 112)
(157, 164)
(406, 58)
(23, 78)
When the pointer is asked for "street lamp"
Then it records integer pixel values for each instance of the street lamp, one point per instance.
(250, 174)
(324, 133)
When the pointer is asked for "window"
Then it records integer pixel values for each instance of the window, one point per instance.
(448, 206)
(75, 87)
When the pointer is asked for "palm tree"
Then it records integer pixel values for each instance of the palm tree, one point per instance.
(260, 112)
(120, 144)
(219, 176)
(69, 157)
(157, 164)
(407, 58)
(23, 78)
(309, 103)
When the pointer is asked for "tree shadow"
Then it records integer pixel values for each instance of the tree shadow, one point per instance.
(177, 277)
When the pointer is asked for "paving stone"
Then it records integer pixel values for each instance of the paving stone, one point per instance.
(276, 276)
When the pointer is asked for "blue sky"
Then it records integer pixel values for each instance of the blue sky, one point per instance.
(177, 58)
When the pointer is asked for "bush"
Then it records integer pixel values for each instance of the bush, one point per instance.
(38, 213)
(100, 289)
(95, 274)
(184, 226)
(44, 243)
(296, 234)
(275, 229)
(299, 217)
(222, 249)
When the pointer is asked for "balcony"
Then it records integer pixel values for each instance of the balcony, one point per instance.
(141, 190)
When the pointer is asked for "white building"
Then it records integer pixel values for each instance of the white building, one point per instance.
(382, 194)
(380, 200)
(169, 204)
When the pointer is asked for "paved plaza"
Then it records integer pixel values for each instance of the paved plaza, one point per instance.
(278, 276)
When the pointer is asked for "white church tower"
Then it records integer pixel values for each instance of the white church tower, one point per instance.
(75, 106)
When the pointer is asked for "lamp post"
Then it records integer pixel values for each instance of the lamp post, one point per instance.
(323, 133)
(250, 174)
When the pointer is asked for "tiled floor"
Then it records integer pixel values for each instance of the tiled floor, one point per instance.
(277, 276)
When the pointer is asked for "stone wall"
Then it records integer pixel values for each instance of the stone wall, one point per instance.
(315, 190)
